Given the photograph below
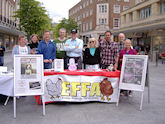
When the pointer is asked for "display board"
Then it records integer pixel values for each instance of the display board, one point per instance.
(28, 75)
(133, 72)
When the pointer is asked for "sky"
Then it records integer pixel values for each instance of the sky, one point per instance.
(58, 9)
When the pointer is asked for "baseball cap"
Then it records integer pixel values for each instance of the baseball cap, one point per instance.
(74, 31)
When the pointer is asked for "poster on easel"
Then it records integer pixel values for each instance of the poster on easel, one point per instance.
(133, 73)
(28, 75)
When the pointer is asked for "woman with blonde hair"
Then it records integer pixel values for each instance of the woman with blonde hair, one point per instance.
(33, 43)
(91, 56)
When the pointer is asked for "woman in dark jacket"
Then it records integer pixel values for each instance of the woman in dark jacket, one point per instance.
(33, 43)
(91, 56)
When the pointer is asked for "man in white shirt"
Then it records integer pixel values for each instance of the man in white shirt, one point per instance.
(73, 48)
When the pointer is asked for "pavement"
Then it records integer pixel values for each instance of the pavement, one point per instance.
(28, 112)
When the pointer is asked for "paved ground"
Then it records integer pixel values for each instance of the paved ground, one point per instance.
(28, 112)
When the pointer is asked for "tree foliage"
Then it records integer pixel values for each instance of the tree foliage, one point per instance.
(68, 24)
(32, 17)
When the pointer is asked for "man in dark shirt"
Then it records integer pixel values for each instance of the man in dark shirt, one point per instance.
(2, 50)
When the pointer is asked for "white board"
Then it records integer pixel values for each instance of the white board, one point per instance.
(28, 75)
(133, 72)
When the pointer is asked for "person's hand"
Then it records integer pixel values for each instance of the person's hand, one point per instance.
(32, 52)
(66, 44)
(46, 60)
(76, 46)
(115, 66)
(50, 61)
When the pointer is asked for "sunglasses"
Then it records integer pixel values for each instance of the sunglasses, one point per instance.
(91, 42)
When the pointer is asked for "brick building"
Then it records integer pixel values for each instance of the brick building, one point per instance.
(94, 17)
(9, 29)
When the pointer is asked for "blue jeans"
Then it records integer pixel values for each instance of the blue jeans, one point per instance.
(47, 65)
(1, 60)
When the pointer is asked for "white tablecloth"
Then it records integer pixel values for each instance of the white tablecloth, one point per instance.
(7, 85)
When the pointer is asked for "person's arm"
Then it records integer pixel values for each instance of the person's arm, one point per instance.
(85, 56)
(3, 48)
(99, 58)
(79, 47)
(116, 57)
(54, 53)
(39, 51)
(68, 47)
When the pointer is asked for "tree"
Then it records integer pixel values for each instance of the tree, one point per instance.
(68, 24)
(32, 17)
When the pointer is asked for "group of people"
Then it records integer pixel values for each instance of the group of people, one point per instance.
(97, 54)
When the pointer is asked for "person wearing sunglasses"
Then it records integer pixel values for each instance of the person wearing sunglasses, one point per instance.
(91, 57)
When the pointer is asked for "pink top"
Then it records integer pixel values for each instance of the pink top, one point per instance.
(124, 52)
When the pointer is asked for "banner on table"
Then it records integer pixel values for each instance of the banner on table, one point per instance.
(80, 88)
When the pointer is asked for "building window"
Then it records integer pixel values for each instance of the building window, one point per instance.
(116, 23)
(126, 0)
(83, 27)
(102, 8)
(131, 16)
(84, 5)
(145, 13)
(90, 1)
(87, 26)
(91, 11)
(87, 14)
(90, 25)
(102, 20)
(125, 8)
(162, 7)
(87, 2)
(116, 8)
(84, 15)
(80, 7)
(138, 1)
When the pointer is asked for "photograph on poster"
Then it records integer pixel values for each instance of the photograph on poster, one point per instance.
(34, 85)
(28, 68)
(133, 70)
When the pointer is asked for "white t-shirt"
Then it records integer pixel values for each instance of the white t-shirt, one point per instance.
(23, 50)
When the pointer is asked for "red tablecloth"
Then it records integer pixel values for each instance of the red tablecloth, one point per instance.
(84, 73)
